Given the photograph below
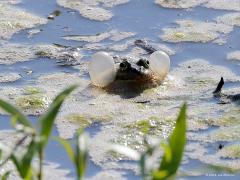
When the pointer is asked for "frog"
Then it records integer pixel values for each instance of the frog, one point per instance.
(114, 72)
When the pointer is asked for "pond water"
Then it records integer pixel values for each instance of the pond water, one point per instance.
(146, 20)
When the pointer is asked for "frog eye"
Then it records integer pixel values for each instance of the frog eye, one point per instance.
(159, 63)
(102, 69)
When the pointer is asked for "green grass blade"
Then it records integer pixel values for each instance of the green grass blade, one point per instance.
(171, 160)
(21, 118)
(5, 175)
(47, 120)
(28, 157)
(81, 154)
(17, 164)
(67, 147)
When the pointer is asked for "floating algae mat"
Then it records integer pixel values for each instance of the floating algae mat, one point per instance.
(46, 56)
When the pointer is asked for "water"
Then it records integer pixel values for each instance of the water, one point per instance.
(142, 17)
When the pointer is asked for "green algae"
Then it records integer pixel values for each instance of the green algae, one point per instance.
(31, 90)
(146, 126)
(195, 31)
(133, 134)
(12, 20)
(85, 120)
(179, 35)
(232, 151)
(80, 119)
(42, 54)
(32, 102)
(231, 133)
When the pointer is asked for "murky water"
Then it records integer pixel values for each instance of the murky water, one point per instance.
(146, 20)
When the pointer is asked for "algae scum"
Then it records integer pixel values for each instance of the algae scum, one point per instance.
(201, 37)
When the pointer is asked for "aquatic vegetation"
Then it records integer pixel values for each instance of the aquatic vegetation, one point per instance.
(32, 102)
(121, 117)
(38, 137)
(9, 77)
(173, 152)
(235, 55)
(179, 3)
(215, 4)
(232, 19)
(93, 9)
(223, 4)
(231, 151)
(85, 120)
(31, 90)
(38, 140)
(41, 53)
(195, 31)
(12, 53)
(13, 20)
(114, 35)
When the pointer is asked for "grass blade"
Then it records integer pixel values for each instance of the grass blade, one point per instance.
(67, 146)
(81, 154)
(47, 119)
(21, 118)
(172, 158)
(28, 157)
(5, 175)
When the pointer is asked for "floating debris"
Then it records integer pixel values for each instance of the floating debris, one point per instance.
(33, 32)
(54, 14)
